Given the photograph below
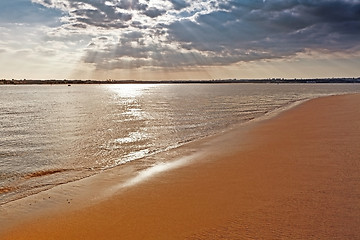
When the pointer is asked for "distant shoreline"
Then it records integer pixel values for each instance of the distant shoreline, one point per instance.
(219, 81)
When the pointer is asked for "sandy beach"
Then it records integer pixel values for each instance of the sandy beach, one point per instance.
(294, 176)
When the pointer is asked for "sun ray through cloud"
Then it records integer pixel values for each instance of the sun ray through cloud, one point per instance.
(111, 36)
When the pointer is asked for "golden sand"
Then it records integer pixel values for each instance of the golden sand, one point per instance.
(296, 176)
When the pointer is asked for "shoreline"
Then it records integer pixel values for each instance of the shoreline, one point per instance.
(178, 148)
(202, 208)
(180, 145)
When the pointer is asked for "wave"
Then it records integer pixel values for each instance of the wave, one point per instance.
(42, 173)
(6, 189)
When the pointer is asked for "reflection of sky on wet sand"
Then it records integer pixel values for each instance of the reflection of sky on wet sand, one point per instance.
(153, 171)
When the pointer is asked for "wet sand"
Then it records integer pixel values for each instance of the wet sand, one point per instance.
(295, 176)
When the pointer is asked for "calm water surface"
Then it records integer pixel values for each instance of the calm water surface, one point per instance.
(51, 135)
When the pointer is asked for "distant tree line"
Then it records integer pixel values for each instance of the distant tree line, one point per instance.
(268, 80)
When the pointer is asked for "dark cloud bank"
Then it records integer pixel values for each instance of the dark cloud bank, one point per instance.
(216, 33)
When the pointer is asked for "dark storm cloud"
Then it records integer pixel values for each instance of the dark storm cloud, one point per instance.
(271, 28)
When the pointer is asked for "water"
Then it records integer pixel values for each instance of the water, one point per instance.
(50, 135)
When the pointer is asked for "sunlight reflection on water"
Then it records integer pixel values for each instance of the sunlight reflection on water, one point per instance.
(129, 91)
(71, 133)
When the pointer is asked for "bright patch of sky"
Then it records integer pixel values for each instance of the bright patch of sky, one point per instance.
(152, 39)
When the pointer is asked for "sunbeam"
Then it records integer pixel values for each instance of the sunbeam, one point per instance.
(146, 40)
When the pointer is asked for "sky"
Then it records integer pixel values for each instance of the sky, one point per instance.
(179, 39)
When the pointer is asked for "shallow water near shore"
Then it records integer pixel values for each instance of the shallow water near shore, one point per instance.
(50, 135)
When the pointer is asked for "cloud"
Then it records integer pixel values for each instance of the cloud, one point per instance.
(180, 4)
(182, 33)
(98, 13)
(107, 14)
(131, 4)
(271, 28)
(108, 19)
(154, 12)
